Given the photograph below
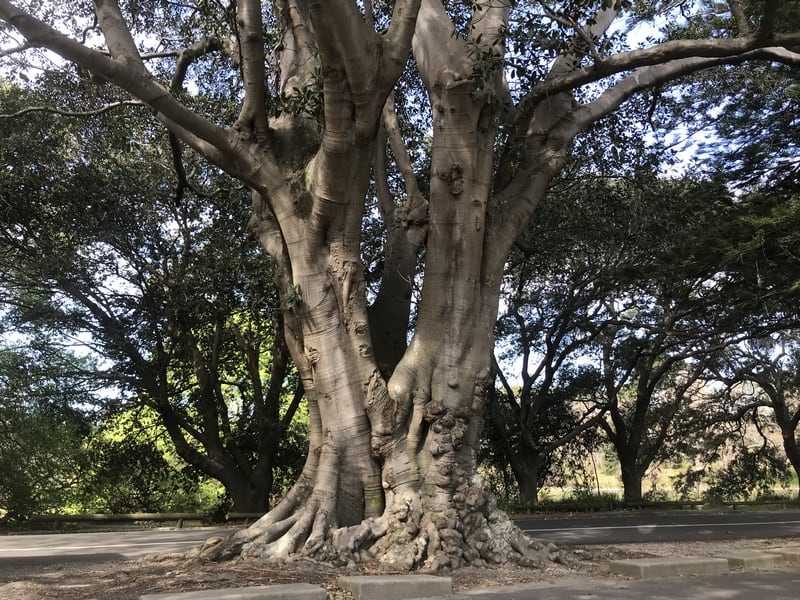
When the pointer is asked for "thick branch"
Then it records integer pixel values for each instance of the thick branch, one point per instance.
(441, 57)
(342, 35)
(740, 17)
(530, 183)
(489, 23)
(767, 25)
(298, 51)
(657, 55)
(380, 171)
(406, 227)
(399, 150)
(253, 116)
(217, 144)
(137, 81)
(397, 41)
(117, 35)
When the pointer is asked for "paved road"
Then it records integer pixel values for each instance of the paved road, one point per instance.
(621, 529)
(119, 545)
(612, 529)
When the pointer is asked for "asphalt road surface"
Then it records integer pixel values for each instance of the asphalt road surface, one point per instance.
(118, 545)
(611, 529)
(622, 529)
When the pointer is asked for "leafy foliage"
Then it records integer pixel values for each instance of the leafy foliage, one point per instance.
(174, 297)
(129, 466)
(42, 427)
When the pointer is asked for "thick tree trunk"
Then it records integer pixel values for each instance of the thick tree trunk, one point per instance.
(527, 477)
(391, 472)
(249, 496)
(631, 479)
(792, 449)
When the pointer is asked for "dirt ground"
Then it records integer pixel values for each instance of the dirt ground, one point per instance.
(173, 573)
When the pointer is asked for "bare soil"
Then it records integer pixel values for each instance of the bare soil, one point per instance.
(178, 572)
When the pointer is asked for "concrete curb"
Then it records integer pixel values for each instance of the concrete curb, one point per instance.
(752, 559)
(396, 587)
(669, 566)
(291, 591)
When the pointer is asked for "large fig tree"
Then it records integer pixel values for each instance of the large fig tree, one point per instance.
(504, 89)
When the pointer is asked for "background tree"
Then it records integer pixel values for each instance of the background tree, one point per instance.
(129, 465)
(604, 305)
(42, 428)
(168, 291)
(391, 466)
(763, 373)
(663, 323)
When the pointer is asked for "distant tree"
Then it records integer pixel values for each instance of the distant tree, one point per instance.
(753, 253)
(169, 292)
(611, 320)
(129, 465)
(42, 428)
(764, 374)
(565, 419)
(647, 382)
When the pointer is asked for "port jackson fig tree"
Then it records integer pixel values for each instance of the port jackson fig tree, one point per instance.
(395, 411)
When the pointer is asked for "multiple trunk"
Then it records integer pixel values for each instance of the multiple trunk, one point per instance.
(391, 471)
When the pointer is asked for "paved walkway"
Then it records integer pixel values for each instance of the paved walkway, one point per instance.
(775, 584)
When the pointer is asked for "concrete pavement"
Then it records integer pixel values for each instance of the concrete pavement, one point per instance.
(778, 584)
(736, 576)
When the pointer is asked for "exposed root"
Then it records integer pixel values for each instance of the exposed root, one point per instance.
(469, 531)
(437, 515)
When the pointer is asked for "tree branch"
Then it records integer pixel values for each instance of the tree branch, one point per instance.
(16, 50)
(298, 52)
(72, 113)
(117, 35)
(658, 55)
(185, 58)
(342, 35)
(441, 56)
(509, 392)
(400, 152)
(488, 24)
(565, 439)
(253, 116)
(217, 144)
(386, 204)
(397, 41)
(740, 17)
(767, 25)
